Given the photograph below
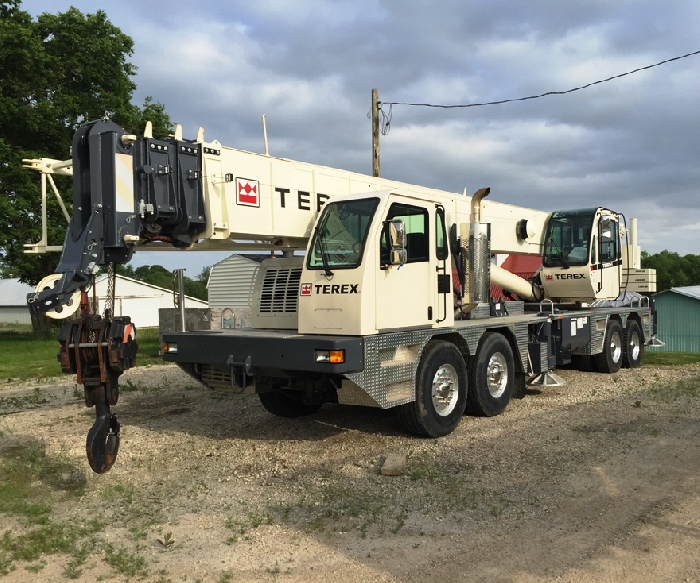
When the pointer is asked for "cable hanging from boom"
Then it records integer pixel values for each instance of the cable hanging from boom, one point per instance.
(387, 116)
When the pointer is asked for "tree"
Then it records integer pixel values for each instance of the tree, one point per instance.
(197, 288)
(158, 275)
(672, 270)
(56, 72)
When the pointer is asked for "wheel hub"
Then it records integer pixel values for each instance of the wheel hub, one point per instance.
(616, 347)
(497, 375)
(634, 344)
(445, 390)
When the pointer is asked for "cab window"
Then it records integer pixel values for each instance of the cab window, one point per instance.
(440, 234)
(416, 220)
(608, 236)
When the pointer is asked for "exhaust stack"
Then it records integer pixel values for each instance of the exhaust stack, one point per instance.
(476, 256)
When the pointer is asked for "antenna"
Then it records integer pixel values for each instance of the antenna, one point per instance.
(375, 133)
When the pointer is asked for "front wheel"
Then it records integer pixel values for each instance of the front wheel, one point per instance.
(492, 376)
(441, 392)
(610, 360)
(634, 345)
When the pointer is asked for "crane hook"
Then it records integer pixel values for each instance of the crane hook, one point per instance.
(102, 444)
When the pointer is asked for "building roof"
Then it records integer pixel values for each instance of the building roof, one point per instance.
(13, 292)
(691, 291)
(102, 277)
(254, 257)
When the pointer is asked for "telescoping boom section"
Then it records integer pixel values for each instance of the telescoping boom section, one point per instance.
(376, 292)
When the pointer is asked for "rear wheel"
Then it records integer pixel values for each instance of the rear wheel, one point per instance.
(492, 376)
(283, 405)
(634, 345)
(610, 360)
(441, 392)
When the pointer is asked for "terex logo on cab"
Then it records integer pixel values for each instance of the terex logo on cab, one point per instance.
(306, 289)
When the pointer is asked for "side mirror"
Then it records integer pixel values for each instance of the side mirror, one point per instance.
(397, 238)
(397, 234)
(398, 256)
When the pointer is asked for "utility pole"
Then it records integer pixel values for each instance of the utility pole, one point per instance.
(375, 133)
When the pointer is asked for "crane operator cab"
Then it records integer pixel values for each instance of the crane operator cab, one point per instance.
(582, 259)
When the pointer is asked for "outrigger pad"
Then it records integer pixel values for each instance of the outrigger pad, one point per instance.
(547, 379)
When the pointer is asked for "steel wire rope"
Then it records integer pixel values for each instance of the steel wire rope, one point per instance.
(387, 116)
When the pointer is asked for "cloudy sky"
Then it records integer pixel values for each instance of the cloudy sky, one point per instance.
(632, 144)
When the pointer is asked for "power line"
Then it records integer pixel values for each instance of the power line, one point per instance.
(548, 93)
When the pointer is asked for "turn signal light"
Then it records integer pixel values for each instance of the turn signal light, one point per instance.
(169, 348)
(330, 356)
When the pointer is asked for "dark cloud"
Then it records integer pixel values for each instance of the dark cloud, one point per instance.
(630, 144)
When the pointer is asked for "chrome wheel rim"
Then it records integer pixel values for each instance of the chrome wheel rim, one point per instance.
(497, 375)
(616, 347)
(635, 345)
(445, 390)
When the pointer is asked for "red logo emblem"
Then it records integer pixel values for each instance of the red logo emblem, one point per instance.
(247, 192)
(305, 289)
(548, 277)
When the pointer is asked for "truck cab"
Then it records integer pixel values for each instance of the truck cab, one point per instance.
(351, 285)
(582, 255)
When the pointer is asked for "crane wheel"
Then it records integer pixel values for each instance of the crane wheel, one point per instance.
(610, 360)
(441, 392)
(492, 376)
(634, 345)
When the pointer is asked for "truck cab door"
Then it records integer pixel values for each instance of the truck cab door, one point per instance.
(607, 269)
(406, 294)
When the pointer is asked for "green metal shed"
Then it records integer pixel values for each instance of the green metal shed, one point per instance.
(678, 316)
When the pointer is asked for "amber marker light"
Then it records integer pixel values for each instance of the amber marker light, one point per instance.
(330, 356)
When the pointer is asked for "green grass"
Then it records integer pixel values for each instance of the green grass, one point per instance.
(670, 358)
(149, 347)
(27, 356)
(31, 484)
(683, 390)
(17, 327)
(125, 562)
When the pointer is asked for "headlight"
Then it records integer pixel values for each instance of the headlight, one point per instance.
(169, 347)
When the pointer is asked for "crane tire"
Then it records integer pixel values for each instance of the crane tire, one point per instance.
(610, 359)
(441, 392)
(492, 376)
(634, 345)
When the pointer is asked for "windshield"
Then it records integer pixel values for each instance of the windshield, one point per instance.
(341, 233)
(568, 238)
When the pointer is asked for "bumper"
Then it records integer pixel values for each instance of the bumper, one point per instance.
(269, 353)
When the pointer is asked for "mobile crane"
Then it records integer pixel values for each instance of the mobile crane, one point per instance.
(389, 306)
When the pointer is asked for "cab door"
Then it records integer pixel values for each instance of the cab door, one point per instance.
(406, 294)
(607, 269)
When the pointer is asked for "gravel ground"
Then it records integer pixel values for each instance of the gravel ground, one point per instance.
(595, 481)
